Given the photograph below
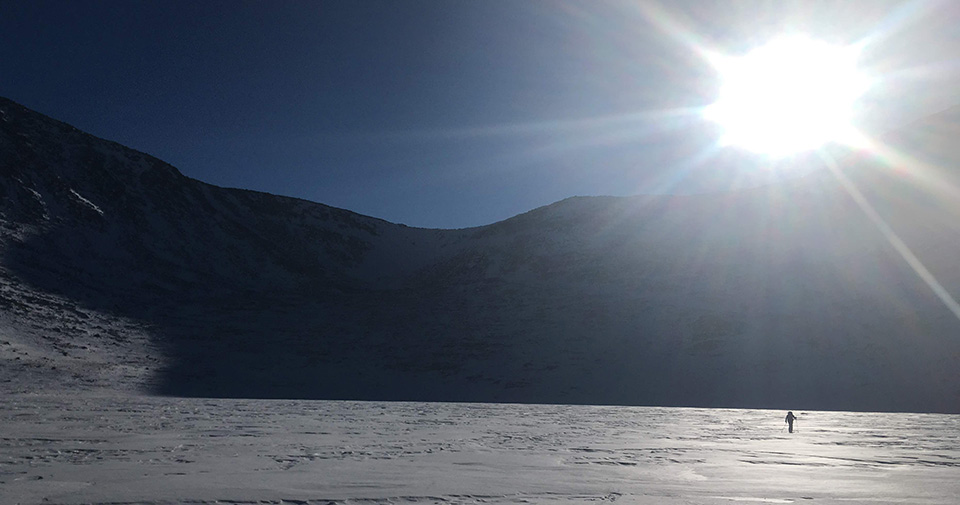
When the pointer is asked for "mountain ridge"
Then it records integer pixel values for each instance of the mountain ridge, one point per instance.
(120, 272)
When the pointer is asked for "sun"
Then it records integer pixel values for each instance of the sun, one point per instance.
(791, 95)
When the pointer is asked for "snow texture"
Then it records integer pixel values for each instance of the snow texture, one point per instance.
(70, 449)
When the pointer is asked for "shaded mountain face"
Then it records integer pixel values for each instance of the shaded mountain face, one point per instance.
(118, 271)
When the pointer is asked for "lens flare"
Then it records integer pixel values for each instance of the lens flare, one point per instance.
(791, 95)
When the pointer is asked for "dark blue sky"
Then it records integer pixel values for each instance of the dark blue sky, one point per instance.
(442, 113)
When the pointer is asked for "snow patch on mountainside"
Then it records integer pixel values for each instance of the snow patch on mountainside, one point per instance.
(86, 202)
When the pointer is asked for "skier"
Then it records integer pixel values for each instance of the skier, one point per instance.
(789, 420)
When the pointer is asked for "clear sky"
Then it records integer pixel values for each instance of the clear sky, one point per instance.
(446, 113)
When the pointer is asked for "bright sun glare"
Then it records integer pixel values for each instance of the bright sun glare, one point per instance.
(791, 95)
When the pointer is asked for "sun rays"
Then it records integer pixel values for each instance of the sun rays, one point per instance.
(797, 94)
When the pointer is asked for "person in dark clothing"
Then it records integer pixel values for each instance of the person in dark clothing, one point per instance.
(789, 420)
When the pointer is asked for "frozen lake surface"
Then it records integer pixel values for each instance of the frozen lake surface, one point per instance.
(82, 449)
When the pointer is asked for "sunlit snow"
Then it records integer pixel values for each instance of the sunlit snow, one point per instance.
(125, 449)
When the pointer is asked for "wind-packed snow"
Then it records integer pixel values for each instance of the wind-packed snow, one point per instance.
(69, 449)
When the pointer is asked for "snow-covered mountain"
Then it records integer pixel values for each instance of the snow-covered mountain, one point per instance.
(118, 271)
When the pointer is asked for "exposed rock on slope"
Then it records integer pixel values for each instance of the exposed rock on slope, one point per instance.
(120, 271)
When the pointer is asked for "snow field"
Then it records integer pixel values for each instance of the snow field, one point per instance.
(85, 449)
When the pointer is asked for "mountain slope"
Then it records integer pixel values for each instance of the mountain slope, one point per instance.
(783, 296)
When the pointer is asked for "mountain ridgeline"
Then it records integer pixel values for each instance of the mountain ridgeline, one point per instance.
(119, 272)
